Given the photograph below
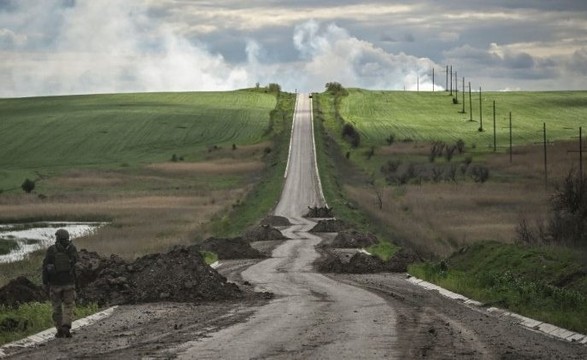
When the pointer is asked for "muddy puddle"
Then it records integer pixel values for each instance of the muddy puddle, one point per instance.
(18, 240)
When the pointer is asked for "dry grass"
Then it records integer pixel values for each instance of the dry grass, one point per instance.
(440, 218)
(221, 167)
(151, 209)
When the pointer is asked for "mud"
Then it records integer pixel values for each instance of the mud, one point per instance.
(262, 233)
(354, 239)
(274, 220)
(231, 248)
(329, 226)
(21, 290)
(319, 212)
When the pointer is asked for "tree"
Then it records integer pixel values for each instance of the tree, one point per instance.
(28, 186)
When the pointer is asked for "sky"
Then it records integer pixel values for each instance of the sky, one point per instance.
(62, 47)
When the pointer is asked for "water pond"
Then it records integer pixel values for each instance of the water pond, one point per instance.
(18, 240)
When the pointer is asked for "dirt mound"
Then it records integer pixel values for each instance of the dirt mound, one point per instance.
(400, 260)
(361, 263)
(21, 290)
(329, 226)
(319, 212)
(274, 220)
(262, 233)
(353, 239)
(235, 248)
(180, 275)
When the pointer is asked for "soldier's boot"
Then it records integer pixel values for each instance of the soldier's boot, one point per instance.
(65, 330)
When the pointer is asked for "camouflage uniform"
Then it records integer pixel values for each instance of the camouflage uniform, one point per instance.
(61, 283)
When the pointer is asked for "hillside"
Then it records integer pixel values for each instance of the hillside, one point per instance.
(53, 133)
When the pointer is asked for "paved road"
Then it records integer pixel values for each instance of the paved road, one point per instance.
(313, 316)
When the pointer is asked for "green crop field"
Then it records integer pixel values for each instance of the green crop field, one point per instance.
(52, 133)
(433, 116)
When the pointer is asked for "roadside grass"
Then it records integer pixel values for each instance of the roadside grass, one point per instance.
(544, 283)
(30, 318)
(209, 257)
(265, 193)
(333, 168)
(436, 219)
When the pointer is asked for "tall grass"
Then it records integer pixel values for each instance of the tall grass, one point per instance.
(30, 318)
(542, 283)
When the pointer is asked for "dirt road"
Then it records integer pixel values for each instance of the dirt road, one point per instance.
(312, 316)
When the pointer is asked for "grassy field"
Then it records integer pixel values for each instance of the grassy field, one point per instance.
(109, 158)
(471, 226)
(53, 134)
(431, 116)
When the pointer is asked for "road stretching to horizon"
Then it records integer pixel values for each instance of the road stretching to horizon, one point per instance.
(312, 316)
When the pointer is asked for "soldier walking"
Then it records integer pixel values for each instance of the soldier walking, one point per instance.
(59, 280)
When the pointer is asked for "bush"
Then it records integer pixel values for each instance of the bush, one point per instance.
(568, 221)
(336, 89)
(350, 134)
(479, 174)
(460, 146)
(28, 186)
(390, 139)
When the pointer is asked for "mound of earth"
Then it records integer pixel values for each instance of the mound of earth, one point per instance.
(232, 248)
(19, 291)
(400, 260)
(361, 263)
(330, 225)
(179, 275)
(353, 239)
(319, 212)
(274, 220)
(262, 233)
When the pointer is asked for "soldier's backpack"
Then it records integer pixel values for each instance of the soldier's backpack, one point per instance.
(61, 260)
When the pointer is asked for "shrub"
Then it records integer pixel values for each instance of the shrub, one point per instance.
(479, 173)
(568, 221)
(336, 88)
(350, 134)
(390, 139)
(274, 88)
(449, 152)
(460, 146)
(174, 158)
(28, 186)
(369, 153)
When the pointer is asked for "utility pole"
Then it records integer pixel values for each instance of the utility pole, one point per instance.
(494, 130)
(456, 88)
(480, 111)
(446, 88)
(511, 150)
(451, 80)
(470, 104)
(463, 95)
(545, 159)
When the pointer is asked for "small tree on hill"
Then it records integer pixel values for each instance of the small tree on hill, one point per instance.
(28, 186)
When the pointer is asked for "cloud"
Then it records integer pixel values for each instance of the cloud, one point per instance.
(112, 46)
(332, 54)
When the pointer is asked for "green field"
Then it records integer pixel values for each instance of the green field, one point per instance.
(53, 133)
(425, 116)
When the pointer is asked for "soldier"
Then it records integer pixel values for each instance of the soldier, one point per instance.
(59, 280)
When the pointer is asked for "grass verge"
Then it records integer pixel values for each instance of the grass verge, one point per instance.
(266, 192)
(333, 168)
(543, 283)
(31, 318)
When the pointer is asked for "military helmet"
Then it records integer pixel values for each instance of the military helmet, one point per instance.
(62, 235)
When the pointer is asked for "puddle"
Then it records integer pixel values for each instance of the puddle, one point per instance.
(39, 235)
